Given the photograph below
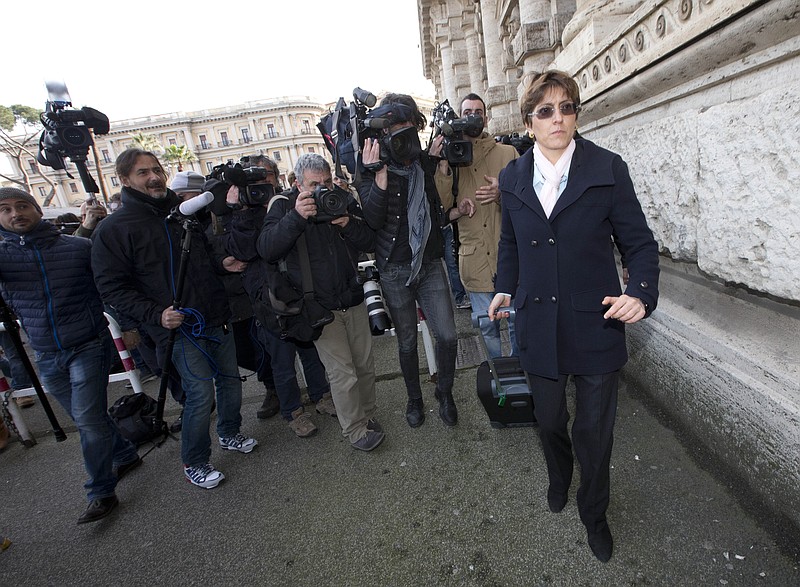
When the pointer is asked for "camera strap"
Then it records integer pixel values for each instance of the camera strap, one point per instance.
(305, 266)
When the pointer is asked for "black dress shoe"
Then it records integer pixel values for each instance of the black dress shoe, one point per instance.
(177, 425)
(447, 408)
(415, 412)
(556, 500)
(123, 470)
(601, 543)
(98, 509)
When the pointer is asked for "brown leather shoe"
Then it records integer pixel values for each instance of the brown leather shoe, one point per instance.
(325, 405)
(4, 435)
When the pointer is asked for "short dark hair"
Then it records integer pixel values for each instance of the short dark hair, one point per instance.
(543, 83)
(127, 159)
(471, 96)
(263, 161)
(417, 118)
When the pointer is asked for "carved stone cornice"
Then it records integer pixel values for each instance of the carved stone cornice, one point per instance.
(652, 32)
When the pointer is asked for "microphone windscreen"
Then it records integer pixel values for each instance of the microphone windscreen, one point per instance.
(377, 123)
(196, 204)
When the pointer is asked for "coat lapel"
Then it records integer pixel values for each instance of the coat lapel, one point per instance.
(524, 186)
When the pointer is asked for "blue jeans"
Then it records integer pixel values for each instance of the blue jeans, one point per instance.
(78, 379)
(491, 330)
(451, 261)
(283, 353)
(206, 365)
(431, 290)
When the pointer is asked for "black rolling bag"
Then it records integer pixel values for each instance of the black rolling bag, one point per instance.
(503, 388)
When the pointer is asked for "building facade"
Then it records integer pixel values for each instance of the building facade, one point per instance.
(281, 128)
(701, 98)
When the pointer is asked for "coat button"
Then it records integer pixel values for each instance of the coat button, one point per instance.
(537, 300)
(644, 285)
(553, 299)
(551, 241)
(534, 243)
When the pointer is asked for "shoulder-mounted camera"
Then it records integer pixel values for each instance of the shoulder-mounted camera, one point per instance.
(455, 148)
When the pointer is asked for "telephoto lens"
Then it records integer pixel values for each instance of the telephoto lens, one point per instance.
(379, 321)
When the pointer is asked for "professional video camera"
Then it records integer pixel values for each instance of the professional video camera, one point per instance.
(250, 179)
(369, 278)
(520, 143)
(66, 134)
(331, 203)
(346, 129)
(455, 148)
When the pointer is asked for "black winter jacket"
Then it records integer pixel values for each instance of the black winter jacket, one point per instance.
(386, 212)
(333, 251)
(136, 256)
(46, 279)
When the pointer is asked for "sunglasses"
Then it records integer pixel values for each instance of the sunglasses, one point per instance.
(545, 112)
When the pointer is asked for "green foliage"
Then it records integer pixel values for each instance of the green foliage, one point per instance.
(17, 113)
(147, 143)
(178, 155)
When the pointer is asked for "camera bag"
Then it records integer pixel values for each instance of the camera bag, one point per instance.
(135, 416)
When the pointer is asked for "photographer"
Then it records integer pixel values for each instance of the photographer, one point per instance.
(242, 230)
(345, 345)
(400, 202)
(136, 258)
(476, 209)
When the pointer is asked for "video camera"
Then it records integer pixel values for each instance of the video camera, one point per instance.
(250, 179)
(520, 143)
(331, 203)
(67, 133)
(347, 128)
(455, 148)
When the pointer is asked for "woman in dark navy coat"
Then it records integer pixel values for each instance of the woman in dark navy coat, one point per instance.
(564, 203)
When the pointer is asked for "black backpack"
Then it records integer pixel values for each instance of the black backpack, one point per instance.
(135, 416)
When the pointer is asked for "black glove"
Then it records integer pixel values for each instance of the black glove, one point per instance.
(219, 205)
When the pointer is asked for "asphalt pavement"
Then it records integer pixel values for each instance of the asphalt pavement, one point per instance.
(430, 506)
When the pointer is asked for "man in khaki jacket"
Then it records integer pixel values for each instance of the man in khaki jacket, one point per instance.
(477, 211)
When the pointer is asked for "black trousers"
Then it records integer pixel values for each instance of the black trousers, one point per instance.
(592, 437)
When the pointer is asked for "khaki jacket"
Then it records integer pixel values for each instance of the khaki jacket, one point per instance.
(479, 235)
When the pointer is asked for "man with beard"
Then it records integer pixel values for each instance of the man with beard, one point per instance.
(135, 258)
(472, 199)
(46, 278)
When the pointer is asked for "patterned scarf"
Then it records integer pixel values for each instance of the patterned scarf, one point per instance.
(419, 214)
(552, 175)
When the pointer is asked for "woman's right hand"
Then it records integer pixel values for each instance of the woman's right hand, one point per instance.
(499, 301)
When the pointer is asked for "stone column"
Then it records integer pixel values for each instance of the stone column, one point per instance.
(500, 95)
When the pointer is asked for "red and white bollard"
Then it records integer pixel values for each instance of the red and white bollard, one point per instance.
(11, 407)
(130, 372)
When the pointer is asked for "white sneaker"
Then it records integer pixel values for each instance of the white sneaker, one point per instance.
(239, 442)
(205, 476)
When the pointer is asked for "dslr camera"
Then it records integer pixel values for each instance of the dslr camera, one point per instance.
(455, 148)
(250, 179)
(331, 203)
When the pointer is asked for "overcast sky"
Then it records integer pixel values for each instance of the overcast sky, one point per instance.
(132, 59)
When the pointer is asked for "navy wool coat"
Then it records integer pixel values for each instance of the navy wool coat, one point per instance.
(560, 269)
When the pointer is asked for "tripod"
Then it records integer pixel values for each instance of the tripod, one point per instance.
(187, 224)
(11, 326)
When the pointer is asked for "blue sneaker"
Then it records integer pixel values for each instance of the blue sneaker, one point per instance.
(239, 442)
(205, 476)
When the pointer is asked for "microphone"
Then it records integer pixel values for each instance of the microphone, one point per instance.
(190, 207)
(377, 123)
